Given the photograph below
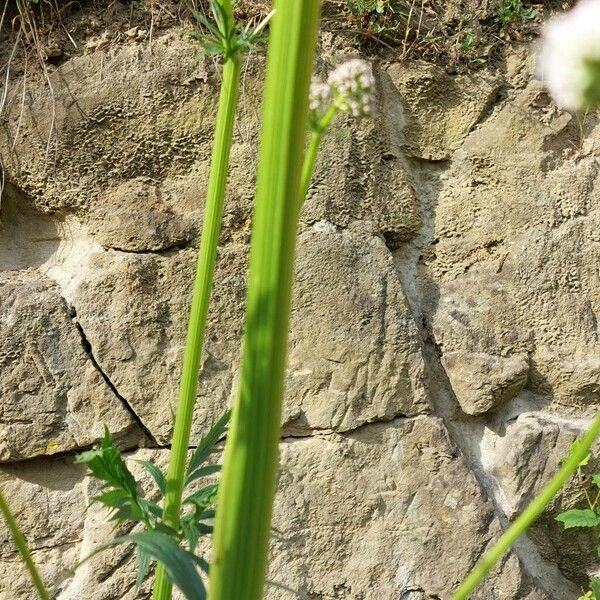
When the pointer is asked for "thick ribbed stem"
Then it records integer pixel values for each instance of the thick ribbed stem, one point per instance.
(247, 486)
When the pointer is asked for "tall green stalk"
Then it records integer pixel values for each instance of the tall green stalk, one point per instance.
(531, 513)
(21, 544)
(207, 254)
(247, 486)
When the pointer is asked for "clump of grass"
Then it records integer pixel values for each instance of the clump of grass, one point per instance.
(431, 30)
(512, 12)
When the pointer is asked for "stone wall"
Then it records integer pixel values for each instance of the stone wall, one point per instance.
(444, 348)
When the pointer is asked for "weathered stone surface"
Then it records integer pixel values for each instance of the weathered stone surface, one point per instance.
(516, 276)
(359, 175)
(48, 500)
(481, 381)
(53, 397)
(353, 359)
(447, 259)
(356, 357)
(526, 458)
(367, 515)
(439, 110)
(134, 218)
(361, 515)
(133, 309)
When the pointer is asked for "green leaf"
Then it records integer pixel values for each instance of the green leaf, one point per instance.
(207, 443)
(222, 20)
(202, 472)
(596, 479)
(179, 564)
(143, 565)
(205, 497)
(107, 465)
(201, 563)
(191, 534)
(129, 512)
(150, 508)
(579, 518)
(204, 21)
(113, 498)
(212, 48)
(156, 474)
(595, 586)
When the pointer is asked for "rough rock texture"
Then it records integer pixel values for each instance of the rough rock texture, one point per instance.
(444, 342)
(54, 398)
(481, 381)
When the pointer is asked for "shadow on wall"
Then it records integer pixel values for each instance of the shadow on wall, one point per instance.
(28, 237)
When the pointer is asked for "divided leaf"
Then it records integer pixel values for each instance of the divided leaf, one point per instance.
(107, 465)
(156, 474)
(206, 446)
(119, 490)
(579, 518)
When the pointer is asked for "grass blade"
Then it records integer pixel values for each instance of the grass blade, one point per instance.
(207, 443)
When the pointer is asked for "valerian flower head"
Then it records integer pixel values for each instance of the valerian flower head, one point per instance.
(320, 95)
(570, 56)
(352, 86)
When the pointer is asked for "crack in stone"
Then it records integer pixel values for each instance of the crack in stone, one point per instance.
(347, 432)
(168, 251)
(90, 353)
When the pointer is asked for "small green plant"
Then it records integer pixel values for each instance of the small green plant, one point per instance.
(385, 21)
(511, 12)
(588, 518)
(173, 548)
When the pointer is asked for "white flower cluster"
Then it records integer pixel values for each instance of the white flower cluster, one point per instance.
(349, 87)
(570, 57)
(352, 85)
(320, 95)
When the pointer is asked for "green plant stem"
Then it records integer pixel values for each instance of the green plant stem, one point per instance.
(207, 255)
(312, 151)
(247, 487)
(530, 514)
(21, 544)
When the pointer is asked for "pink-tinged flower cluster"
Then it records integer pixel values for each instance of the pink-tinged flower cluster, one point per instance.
(352, 86)
(349, 88)
(570, 57)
